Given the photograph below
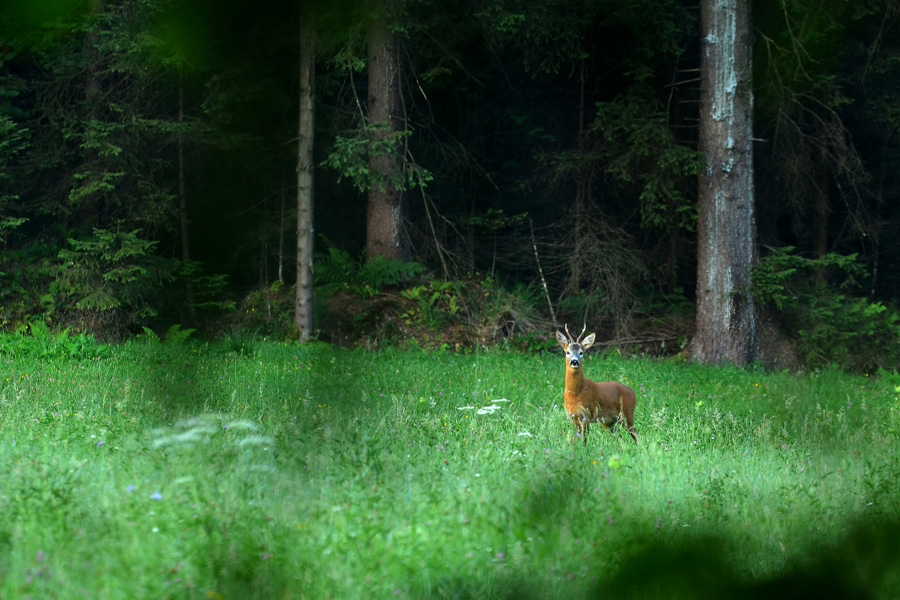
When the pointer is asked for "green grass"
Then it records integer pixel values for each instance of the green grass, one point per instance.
(265, 470)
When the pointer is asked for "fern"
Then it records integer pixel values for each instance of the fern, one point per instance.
(337, 271)
(149, 335)
(36, 339)
(380, 272)
(176, 336)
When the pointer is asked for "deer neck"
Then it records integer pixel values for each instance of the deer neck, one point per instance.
(574, 380)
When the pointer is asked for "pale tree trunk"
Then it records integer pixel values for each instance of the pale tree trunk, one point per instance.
(820, 215)
(384, 213)
(182, 208)
(303, 310)
(726, 231)
(582, 191)
(90, 207)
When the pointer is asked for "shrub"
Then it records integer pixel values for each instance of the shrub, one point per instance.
(112, 282)
(830, 325)
(268, 311)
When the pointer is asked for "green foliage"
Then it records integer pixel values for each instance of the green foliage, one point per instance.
(111, 280)
(174, 336)
(266, 312)
(337, 271)
(210, 292)
(675, 304)
(437, 302)
(13, 141)
(351, 155)
(26, 275)
(501, 314)
(494, 220)
(35, 339)
(830, 325)
(642, 152)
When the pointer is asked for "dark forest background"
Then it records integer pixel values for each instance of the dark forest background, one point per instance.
(548, 148)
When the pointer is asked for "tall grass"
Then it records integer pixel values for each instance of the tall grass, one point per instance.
(266, 470)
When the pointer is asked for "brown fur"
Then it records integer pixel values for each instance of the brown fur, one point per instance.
(587, 401)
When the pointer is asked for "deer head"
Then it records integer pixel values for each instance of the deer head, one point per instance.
(574, 348)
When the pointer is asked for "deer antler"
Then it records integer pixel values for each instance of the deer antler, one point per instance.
(571, 340)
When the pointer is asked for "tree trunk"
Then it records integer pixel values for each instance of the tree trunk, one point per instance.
(89, 207)
(726, 324)
(281, 228)
(582, 191)
(384, 215)
(303, 310)
(820, 216)
(182, 208)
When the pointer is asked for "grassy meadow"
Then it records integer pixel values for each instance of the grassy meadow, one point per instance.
(265, 470)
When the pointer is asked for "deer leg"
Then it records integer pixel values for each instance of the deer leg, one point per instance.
(576, 424)
(629, 422)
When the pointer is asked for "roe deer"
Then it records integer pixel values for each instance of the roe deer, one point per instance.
(590, 402)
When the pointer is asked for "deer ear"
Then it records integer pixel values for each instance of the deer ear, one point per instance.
(588, 341)
(562, 340)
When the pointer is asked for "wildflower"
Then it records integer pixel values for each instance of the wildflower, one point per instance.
(40, 556)
(100, 444)
(611, 521)
(130, 488)
(156, 496)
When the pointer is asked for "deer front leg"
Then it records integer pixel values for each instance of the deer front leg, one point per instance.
(582, 426)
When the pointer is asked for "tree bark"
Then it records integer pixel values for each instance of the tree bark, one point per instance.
(384, 214)
(303, 310)
(182, 208)
(820, 215)
(726, 324)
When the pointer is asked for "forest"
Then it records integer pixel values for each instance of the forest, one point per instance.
(517, 165)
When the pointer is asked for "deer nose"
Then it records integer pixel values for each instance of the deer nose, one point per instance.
(574, 363)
